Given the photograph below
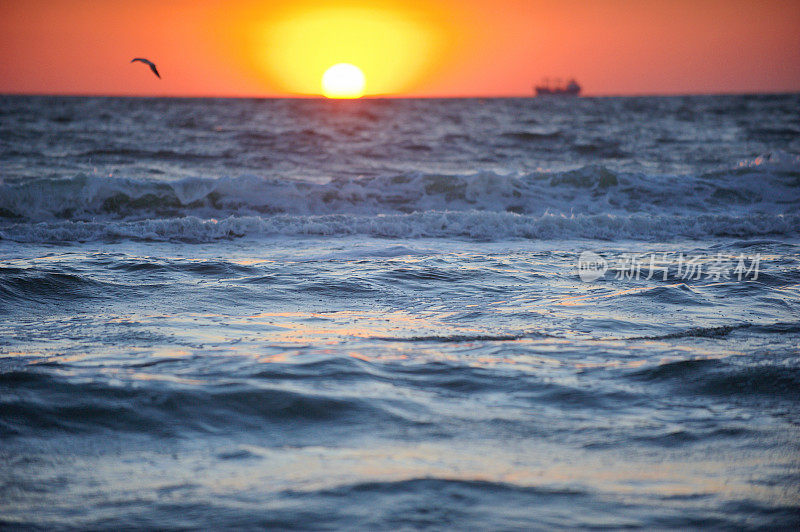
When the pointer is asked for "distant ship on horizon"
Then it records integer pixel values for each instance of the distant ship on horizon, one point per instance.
(572, 88)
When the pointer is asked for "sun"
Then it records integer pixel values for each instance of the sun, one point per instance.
(343, 80)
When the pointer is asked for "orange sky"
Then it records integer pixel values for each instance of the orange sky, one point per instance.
(405, 48)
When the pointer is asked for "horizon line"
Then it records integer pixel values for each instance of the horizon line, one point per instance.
(398, 96)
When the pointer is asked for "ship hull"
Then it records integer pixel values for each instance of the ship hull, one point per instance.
(550, 92)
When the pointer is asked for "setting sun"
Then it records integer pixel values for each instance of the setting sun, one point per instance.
(343, 80)
(393, 48)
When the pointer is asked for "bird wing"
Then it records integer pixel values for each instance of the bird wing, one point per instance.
(147, 62)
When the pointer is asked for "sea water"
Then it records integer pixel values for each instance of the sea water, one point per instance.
(400, 314)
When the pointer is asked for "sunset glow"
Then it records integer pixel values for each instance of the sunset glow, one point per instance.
(411, 48)
(389, 48)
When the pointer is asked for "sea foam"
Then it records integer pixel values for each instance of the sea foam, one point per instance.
(756, 197)
(480, 225)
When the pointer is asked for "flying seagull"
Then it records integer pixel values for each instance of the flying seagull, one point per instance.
(146, 62)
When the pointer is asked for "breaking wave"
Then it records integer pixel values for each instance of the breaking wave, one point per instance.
(757, 197)
(431, 224)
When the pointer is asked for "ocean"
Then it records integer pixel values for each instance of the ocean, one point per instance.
(379, 314)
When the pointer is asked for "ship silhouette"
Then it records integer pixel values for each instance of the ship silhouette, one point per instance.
(572, 88)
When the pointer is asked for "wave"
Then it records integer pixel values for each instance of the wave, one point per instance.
(41, 286)
(766, 184)
(758, 197)
(698, 332)
(77, 407)
(719, 377)
(458, 338)
(478, 225)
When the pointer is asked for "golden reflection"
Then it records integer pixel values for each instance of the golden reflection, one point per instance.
(295, 332)
(17, 353)
(576, 300)
(63, 359)
(161, 377)
(174, 353)
(541, 465)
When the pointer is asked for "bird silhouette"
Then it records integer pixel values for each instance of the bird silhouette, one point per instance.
(147, 62)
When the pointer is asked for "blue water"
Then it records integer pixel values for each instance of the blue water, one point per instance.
(303, 314)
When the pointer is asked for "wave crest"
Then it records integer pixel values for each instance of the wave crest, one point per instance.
(768, 184)
(479, 225)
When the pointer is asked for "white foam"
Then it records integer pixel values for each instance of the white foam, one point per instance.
(766, 184)
(757, 197)
(481, 225)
